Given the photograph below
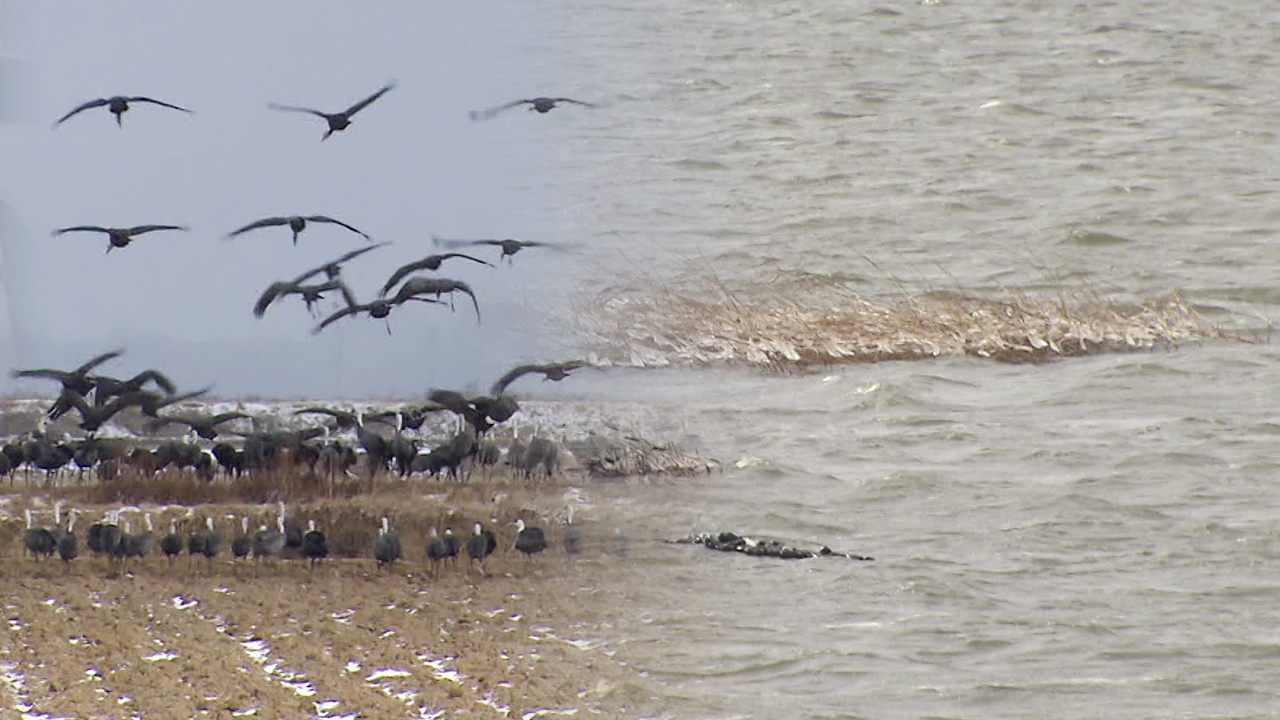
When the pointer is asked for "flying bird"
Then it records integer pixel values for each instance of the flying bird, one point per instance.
(76, 380)
(296, 223)
(339, 120)
(375, 309)
(415, 286)
(551, 371)
(150, 403)
(118, 237)
(541, 104)
(331, 269)
(311, 294)
(117, 105)
(205, 427)
(509, 246)
(430, 262)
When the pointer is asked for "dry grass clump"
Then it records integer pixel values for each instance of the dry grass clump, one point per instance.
(702, 321)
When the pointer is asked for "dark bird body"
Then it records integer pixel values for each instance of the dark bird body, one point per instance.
(529, 540)
(437, 551)
(378, 309)
(117, 105)
(311, 294)
(339, 120)
(315, 546)
(296, 223)
(430, 262)
(69, 544)
(150, 403)
(542, 105)
(386, 548)
(480, 545)
(39, 541)
(171, 544)
(118, 237)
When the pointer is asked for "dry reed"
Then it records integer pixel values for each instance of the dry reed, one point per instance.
(699, 320)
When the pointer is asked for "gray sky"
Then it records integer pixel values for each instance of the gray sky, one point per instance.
(410, 164)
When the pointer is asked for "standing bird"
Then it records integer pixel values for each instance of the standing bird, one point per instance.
(510, 246)
(542, 105)
(386, 548)
(243, 544)
(452, 546)
(339, 120)
(139, 545)
(171, 544)
(415, 286)
(118, 237)
(212, 542)
(315, 546)
(39, 541)
(478, 545)
(430, 262)
(117, 105)
(437, 551)
(529, 540)
(68, 544)
(269, 543)
(296, 223)
(550, 371)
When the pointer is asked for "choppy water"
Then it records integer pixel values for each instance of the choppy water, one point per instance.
(1091, 538)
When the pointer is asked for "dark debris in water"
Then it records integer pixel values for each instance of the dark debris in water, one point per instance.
(761, 547)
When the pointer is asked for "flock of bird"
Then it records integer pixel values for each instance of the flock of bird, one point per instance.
(97, 398)
(112, 538)
(426, 289)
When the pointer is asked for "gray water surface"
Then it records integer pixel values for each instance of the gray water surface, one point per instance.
(1095, 537)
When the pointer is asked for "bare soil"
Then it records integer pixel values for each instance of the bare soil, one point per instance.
(527, 639)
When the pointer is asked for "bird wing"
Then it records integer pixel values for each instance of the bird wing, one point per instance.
(171, 399)
(140, 229)
(576, 102)
(516, 372)
(490, 112)
(91, 104)
(365, 102)
(337, 284)
(95, 362)
(226, 417)
(82, 228)
(349, 310)
(273, 291)
(340, 260)
(403, 270)
(153, 101)
(467, 289)
(446, 256)
(264, 222)
(49, 373)
(156, 377)
(296, 108)
(327, 219)
(452, 400)
(444, 242)
(339, 414)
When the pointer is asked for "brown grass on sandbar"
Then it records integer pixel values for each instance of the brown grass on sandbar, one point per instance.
(699, 320)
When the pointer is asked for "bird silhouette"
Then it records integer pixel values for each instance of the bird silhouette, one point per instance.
(107, 387)
(375, 309)
(117, 105)
(296, 223)
(510, 246)
(311, 294)
(541, 104)
(118, 237)
(415, 286)
(92, 418)
(551, 371)
(339, 120)
(430, 262)
(205, 427)
(77, 380)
